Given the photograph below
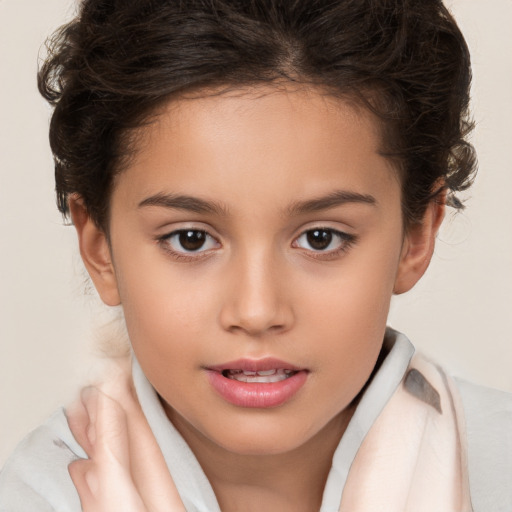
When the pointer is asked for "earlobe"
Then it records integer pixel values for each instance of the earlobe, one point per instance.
(95, 252)
(419, 246)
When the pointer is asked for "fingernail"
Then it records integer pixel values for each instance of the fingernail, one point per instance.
(91, 433)
(92, 482)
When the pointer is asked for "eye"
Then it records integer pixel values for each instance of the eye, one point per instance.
(324, 240)
(189, 240)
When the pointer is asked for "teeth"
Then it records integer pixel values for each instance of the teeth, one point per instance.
(266, 372)
(263, 376)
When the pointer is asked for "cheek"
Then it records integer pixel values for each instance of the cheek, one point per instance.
(348, 318)
(357, 294)
(166, 309)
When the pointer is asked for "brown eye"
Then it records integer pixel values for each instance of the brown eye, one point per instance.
(324, 240)
(319, 239)
(190, 240)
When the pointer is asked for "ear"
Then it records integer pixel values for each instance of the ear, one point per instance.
(419, 245)
(95, 252)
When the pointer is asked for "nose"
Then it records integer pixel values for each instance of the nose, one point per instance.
(256, 301)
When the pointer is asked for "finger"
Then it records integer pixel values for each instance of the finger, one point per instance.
(104, 482)
(101, 491)
(147, 465)
(109, 429)
(78, 470)
(149, 469)
(79, 421)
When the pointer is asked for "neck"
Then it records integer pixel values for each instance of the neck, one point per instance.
(290, 481)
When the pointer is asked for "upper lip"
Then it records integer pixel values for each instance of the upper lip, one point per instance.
(255, 365)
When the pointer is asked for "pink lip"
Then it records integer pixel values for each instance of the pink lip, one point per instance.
(256, 395)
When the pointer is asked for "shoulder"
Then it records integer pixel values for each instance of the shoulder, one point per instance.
(36, 476)
(488, 418)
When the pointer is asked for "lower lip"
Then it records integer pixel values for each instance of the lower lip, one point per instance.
(258, 394)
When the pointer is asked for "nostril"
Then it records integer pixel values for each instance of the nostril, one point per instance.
(255, 331)
(255, 304)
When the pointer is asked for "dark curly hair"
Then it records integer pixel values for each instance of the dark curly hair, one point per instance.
(111, 67)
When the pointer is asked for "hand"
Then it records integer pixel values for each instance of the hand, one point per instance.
(125, 469)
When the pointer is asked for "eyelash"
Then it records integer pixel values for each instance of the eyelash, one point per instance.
(345, 240)
(165, 242)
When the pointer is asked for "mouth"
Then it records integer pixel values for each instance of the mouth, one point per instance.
(262, 376)
(261, 383)
(265, 370)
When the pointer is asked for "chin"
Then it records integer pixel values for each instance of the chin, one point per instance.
(262, 438)
(274, 445)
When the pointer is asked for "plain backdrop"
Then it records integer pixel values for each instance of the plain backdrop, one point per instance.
(460, 313)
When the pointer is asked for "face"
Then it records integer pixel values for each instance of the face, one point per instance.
(256, 239)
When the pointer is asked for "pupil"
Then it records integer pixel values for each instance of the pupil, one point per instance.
(192, 240)
(319, 239)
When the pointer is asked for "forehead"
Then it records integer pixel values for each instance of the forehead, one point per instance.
(259, 142)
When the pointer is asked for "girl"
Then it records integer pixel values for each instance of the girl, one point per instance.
(252, 181)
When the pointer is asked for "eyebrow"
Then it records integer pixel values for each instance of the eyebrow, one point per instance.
(184, 202)
(336, 198)
(196, 205)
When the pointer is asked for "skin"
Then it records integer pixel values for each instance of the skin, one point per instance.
(257, 288)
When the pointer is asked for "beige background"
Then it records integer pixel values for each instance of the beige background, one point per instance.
(459, 314)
